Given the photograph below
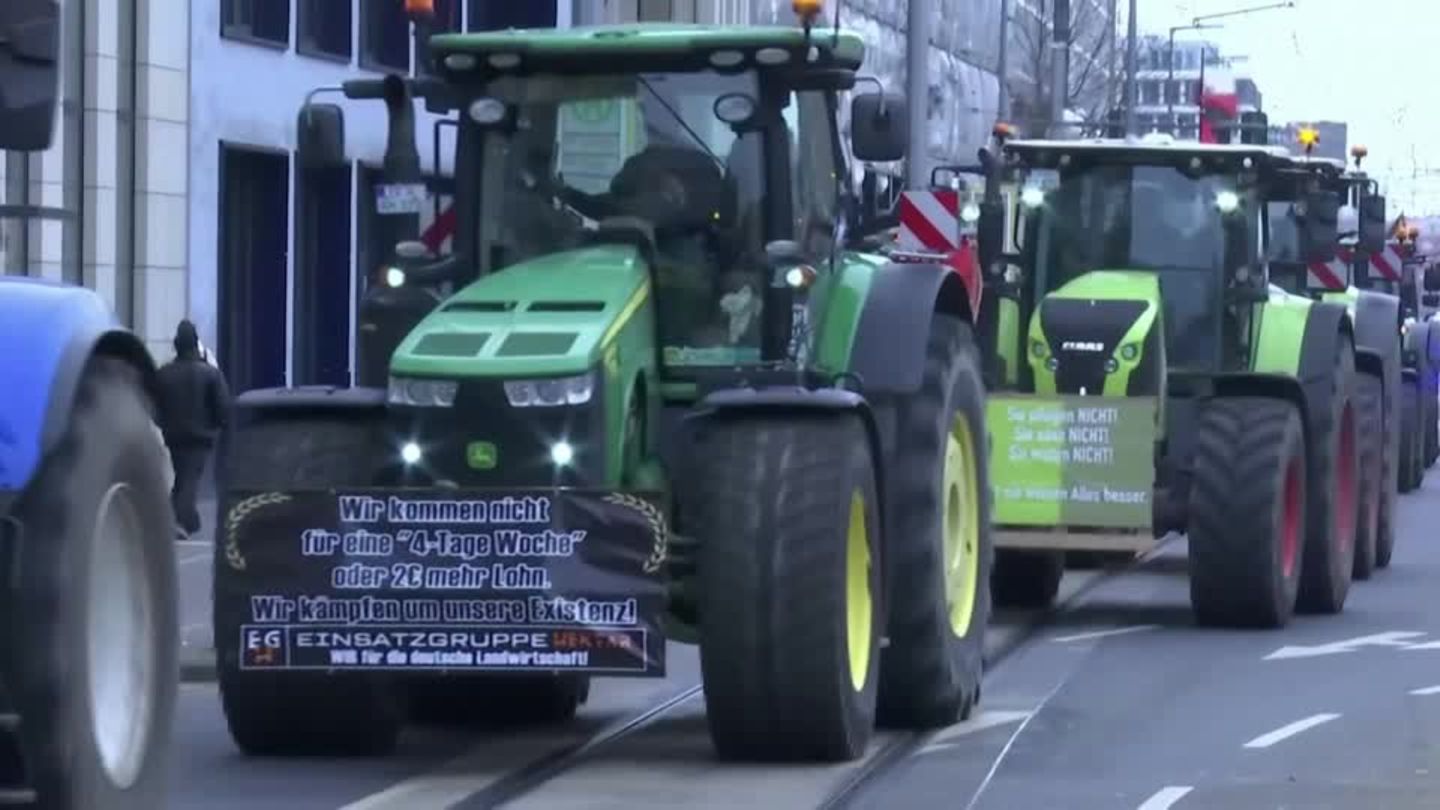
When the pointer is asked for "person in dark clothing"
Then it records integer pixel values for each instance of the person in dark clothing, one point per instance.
(193, 409)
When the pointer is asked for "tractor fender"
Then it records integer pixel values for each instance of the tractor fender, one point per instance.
(51, 331)
(792, 399)
(1376, 314)
(1263, 384)
(889, 352)
(307, 399)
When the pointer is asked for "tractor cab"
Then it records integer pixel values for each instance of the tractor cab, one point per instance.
(709, 158)
(1294, 265)
(1139, 255)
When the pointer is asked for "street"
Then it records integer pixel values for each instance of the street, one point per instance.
(1115, 701)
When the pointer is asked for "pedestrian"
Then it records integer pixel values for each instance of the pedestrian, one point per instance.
(194, 409)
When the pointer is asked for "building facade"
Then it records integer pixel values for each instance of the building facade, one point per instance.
(1168, 100)
(104, 206)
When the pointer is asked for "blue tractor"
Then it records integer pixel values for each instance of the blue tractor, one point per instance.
(88, 621)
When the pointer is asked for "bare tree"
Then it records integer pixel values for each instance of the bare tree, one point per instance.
(1091, 42)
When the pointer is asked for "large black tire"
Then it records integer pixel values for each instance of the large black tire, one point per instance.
(1026, 579)
(1410, 436)
(1370, 397)
(303, 713)
(1328, 564)
(1385, 530)
(778, 497)
(110, 466)
(1431, 412)
(1247, 512)
(937, 477)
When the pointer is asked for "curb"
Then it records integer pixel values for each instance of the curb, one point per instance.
(197, 665)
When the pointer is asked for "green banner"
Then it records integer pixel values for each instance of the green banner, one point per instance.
(1072, 460)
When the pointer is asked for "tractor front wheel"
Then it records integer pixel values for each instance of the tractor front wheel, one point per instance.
(1328, 562)
(1370, 396)
(95, 623)
(789, 585)
(1247, 512)
(1411, 470)
(304, 713)
(939, 544)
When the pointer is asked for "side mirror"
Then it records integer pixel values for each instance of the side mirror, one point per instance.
(320, 136)
(1432, 278)
(1372, 223)
(990, 233)
(29, 73)
(879, 127)
(1319, 226)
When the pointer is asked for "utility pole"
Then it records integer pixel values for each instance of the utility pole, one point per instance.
(1131, 63)
(1059, 65)
(917, 79)
(1002, 62)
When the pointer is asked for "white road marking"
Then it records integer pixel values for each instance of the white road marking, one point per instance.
(195, 558)
(1429, 690)
(945, 739)
(194, 543)
(1104, 633)
(1426, 645)
(1285, 732)
(1393, 638)
(1165, 798)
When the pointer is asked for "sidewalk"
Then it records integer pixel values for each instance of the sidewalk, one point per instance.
(194, 558)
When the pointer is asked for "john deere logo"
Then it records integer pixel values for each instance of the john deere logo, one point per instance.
(481, 455)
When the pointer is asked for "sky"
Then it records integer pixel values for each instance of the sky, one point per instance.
(1365, 62)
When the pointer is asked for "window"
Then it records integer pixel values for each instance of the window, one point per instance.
(262, 21)
(447, 19)
(322, 270)
(325, 28)
(1150, 92)
(488, 15)
(254, 215)
(815, 187)
(384, 35)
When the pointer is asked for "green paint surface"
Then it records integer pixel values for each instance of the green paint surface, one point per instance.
(1282, 333)
(1072, 461)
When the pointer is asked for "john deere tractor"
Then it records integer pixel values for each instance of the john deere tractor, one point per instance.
(656, 305)
(1166, 385)
(1374, 311)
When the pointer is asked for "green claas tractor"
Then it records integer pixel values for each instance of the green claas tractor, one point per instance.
(1374, 313)
(664, 398)
(1166, 385)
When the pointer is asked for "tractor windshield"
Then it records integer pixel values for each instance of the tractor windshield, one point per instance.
(1127, 217)
(650, 147)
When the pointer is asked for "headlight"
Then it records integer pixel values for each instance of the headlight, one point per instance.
(422, 393)
(1129, 352)
(550, 393)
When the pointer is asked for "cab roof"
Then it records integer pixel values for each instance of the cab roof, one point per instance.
(650, 46)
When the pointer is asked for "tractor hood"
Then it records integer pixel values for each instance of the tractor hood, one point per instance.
(549, 316)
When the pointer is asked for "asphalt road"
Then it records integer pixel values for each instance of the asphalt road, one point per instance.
(1117, 701)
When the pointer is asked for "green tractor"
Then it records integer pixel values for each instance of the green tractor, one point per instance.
(1166, 385)
(656, 301)
(1374, 311)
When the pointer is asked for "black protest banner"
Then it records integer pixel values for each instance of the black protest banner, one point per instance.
(547, 580)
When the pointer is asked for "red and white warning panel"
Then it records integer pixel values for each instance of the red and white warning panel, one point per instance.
(1387, 263)
(929, 221)
(1329, 275)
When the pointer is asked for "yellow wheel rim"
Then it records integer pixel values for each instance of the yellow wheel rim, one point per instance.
(961, 525)
(859, 604)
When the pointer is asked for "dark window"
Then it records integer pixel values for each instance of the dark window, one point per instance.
(447, 18)
(489, 15)
(323, 309)
(325, 28)
(384, 35)
(371, 251)
(254, 218)
(266, 21)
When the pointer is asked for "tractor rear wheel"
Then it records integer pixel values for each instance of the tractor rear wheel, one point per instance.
(1392, 455)
(1026, 578)
(94, 618)
(938, 547)
(1247, 512)
(304, 713)
(1411, 469)
(1370, 397)
(789, 585)
(1328, 562)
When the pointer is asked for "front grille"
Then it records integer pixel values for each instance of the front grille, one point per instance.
(521, 439)
(1097, 324)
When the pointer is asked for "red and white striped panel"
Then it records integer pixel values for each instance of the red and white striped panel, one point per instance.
(1329, 275)
(1386, 264)
(929, 221)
